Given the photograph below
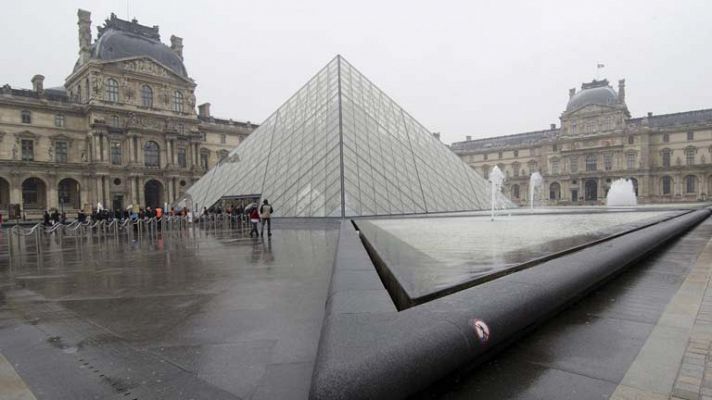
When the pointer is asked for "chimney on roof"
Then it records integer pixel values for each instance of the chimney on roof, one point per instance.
(552, 126)
(572, 92)
(177, 45)
(84, 22)
(468, 138)
(204, 110)
(436, 135)
(38, 83)
(621, 90)
(650, 114)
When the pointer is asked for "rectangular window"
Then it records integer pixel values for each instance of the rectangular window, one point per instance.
(485, 156)
(28, 150)
(26, 117)
(59, 121)
(690, 156)
(591, 162)
(630, 160)
(666, 158)
(631, 139)
(555, 167)
(115, 153)
(60, 152)
(516, 153)
(554, 147)
(223, 139)
(608, 161)
(181, 157)
(574, 165)
(499, 155)
(690, 136)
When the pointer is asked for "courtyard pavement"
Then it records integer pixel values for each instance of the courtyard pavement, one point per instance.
(222, 316)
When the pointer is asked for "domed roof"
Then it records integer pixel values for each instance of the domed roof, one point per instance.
(115, 44)
(124, 39)
(596, 92)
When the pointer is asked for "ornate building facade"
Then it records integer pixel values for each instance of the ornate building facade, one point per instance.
(667, 157)
(122, 130)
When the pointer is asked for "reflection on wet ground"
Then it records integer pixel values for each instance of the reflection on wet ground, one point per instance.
(431, 254)
(242, 315)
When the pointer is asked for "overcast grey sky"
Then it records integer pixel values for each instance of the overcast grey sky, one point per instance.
(479, 68)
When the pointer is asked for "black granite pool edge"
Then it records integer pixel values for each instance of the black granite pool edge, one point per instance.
(385, 354)
(403, 299)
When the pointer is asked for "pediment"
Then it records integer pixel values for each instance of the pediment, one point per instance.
(146, 66)
(592, 109)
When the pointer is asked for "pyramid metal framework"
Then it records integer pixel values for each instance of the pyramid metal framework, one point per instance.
(340, 147)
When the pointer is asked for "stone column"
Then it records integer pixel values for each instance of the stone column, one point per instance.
(15, 188)
(141, 192)
(107, 192)
(52, 193)
(139, 149)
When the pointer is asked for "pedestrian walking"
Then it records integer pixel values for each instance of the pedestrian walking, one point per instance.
(266, 211)
(254, 220)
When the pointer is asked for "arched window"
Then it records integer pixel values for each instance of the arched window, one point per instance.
(147, 96)
(667, 185)
(690, 184)
(178, 101)
(151, 155)
(515, 192)
(112, 90)
(666, 158)
(554, 191)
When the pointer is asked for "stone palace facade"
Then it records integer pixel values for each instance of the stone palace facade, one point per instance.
(122, 130)
(667, 157)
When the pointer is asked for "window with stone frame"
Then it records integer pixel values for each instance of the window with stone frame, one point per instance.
(554, 147)
(484, 156)
(573, 165)
(28, 149)
(516, 153)
(222, 154)
(690, 184)
(630, 160)
(181, 129)
(61, 149)
(115, 153)
(690, 155)
(666, 138)
(667, 185)
(182, 163)
(112, 90)
(146, 96)
(608, 161)
(555, 167)
(516, 167)
(485, 171)
(26, 116)
(59, 120)
(667, 155)
(115, 121)
(515, 192)
(690, 136)
(204, 158)
(178, 101)
(499, 155)
(631, 139)
(223, 139)
(151, 155)
(591, 162)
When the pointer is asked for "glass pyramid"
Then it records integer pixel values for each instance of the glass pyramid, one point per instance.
(340, 147)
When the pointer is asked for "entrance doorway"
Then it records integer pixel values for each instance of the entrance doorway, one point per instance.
(153, 191)
(117, 202)
(591, 187)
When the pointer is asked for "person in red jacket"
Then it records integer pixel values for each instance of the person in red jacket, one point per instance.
(254, 220)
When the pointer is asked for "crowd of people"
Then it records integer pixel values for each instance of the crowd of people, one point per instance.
(241, 213)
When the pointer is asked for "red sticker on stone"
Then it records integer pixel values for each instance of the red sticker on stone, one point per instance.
(481, 329)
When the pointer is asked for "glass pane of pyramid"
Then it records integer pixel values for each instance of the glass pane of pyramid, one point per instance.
(340, 147)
